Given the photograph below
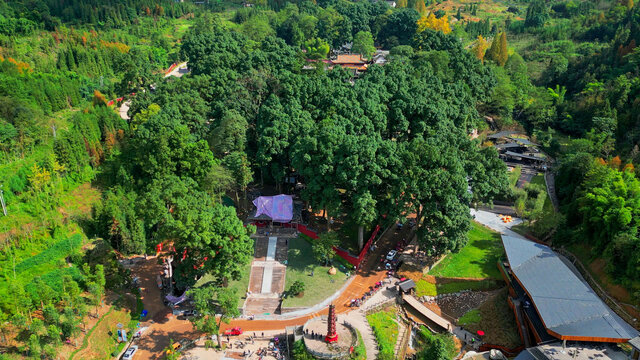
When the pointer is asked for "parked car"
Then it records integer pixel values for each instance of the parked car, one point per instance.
(128, 355)
(391, 255)
(233, 331)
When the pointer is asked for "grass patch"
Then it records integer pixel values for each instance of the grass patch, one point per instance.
(496, 319)
(471, 317)
(426, 288)
(385, 329)
(317, 287)
(539, 180)
(240, 286)
(477, 259)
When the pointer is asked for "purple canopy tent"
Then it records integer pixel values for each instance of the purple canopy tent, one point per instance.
(279, 208)
(175, 300)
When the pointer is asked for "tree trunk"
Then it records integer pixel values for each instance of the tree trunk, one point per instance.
(245, 206)
(169, 261)
(360, 237)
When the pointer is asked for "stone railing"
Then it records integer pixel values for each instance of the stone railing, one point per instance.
(339, 353)
(379, 306)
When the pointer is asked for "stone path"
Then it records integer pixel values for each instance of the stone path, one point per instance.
(271, 249)
(359, 321)
(266, 281)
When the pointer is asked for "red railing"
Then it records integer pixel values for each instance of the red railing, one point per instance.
(173, 66)
(351, 259)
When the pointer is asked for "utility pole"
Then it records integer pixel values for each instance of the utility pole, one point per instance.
(4, 207)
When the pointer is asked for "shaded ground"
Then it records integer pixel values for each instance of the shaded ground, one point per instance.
(597, 269)
(162, 324)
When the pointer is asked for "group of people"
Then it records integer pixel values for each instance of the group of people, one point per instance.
(372, 290)
(313, 335)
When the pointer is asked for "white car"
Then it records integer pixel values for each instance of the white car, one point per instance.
(391, 255)
(128, 355)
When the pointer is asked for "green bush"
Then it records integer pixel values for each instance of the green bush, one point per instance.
(296, 288)
(118, 349)
(299, 351)
(59, 250)
(427, 339)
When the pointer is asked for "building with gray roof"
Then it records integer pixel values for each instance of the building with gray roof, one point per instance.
(565, 305)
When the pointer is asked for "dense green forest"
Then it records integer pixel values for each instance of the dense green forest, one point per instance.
(368, 149)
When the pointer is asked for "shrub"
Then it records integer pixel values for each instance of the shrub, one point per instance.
(296, 288)
(299, 351)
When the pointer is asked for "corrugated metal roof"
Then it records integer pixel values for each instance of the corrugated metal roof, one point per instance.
(501, 134)
(524, 156)
(507, 146)
(566, 304)
(635, 342)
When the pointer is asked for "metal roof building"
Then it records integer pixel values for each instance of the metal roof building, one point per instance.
(568, 308)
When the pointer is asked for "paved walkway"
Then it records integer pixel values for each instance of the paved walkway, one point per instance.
(359, 321)
(494, 222)
(178, 71)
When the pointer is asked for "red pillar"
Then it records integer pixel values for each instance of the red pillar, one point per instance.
(332, 335)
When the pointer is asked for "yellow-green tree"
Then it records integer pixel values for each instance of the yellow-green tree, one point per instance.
(498, 51)
(401, 4)
(422, 9)
(503, 54)
(433, 23)
(627, 3)
(39, 177)
(480, 48)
